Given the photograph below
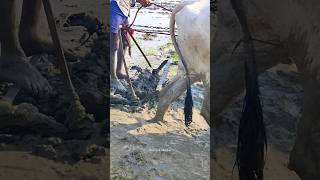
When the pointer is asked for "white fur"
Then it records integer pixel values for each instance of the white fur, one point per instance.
(193, 24)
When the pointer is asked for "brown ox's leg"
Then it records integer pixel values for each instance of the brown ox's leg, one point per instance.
(305, 156)
(170, 93)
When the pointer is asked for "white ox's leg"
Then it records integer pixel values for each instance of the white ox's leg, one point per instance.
(172, 92)
(205, 109)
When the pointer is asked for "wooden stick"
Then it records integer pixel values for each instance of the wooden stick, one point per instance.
(126, 67)
(61, 58)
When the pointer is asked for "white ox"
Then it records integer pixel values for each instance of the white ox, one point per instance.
(193, 41)
(293, 23)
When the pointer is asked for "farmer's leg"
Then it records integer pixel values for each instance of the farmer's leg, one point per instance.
(114, 44)
(115, 21)
(31, 40)
(120, 65)
(14, 66)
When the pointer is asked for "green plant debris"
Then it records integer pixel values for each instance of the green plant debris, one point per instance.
(150, 52)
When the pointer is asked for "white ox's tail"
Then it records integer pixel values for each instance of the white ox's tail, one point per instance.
(188, 100)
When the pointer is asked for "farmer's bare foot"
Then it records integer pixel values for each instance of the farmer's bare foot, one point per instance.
(121, 75)
(116, 84)
(16, 69)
